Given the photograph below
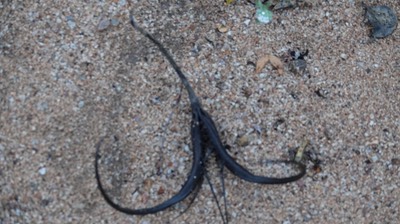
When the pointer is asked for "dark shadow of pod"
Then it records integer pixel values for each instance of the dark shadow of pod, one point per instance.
(382, 19)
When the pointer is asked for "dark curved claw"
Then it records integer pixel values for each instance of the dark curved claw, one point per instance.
(235, 167)
(201, 125)
(195, 177)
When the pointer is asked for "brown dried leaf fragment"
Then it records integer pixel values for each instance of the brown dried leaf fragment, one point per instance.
(261, 63)
(275, 62)
(160, 190)
(148, 183)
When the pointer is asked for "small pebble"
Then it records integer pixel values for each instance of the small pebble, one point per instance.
(186, 148)
(17, 212)
(81, 104)
(382, 19)
(222, 29)
(298, 66)
(243, 140)
(263, 75)
(11, 100)
(114, 22)
(104, 24)
(42, 171)
(42, 106)
(122, 2)
(144, 222)
(71, 22)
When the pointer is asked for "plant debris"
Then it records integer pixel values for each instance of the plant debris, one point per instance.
(287, 4)
(275, 62)
(283, 4)
(297, 64)
(300, 150)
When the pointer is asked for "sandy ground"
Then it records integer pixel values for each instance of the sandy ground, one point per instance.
(72, 72)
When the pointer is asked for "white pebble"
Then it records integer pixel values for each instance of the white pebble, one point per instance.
(186, 148)
(263, 75)
(122, 2)
(42, 171)
(81, 104)
(71, 24)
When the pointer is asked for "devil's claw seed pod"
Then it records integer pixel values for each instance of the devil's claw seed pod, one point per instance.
(382, 19)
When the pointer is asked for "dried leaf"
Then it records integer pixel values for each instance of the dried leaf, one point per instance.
(148, 183)
(275, 62)
(229, 1)
(261, 63)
